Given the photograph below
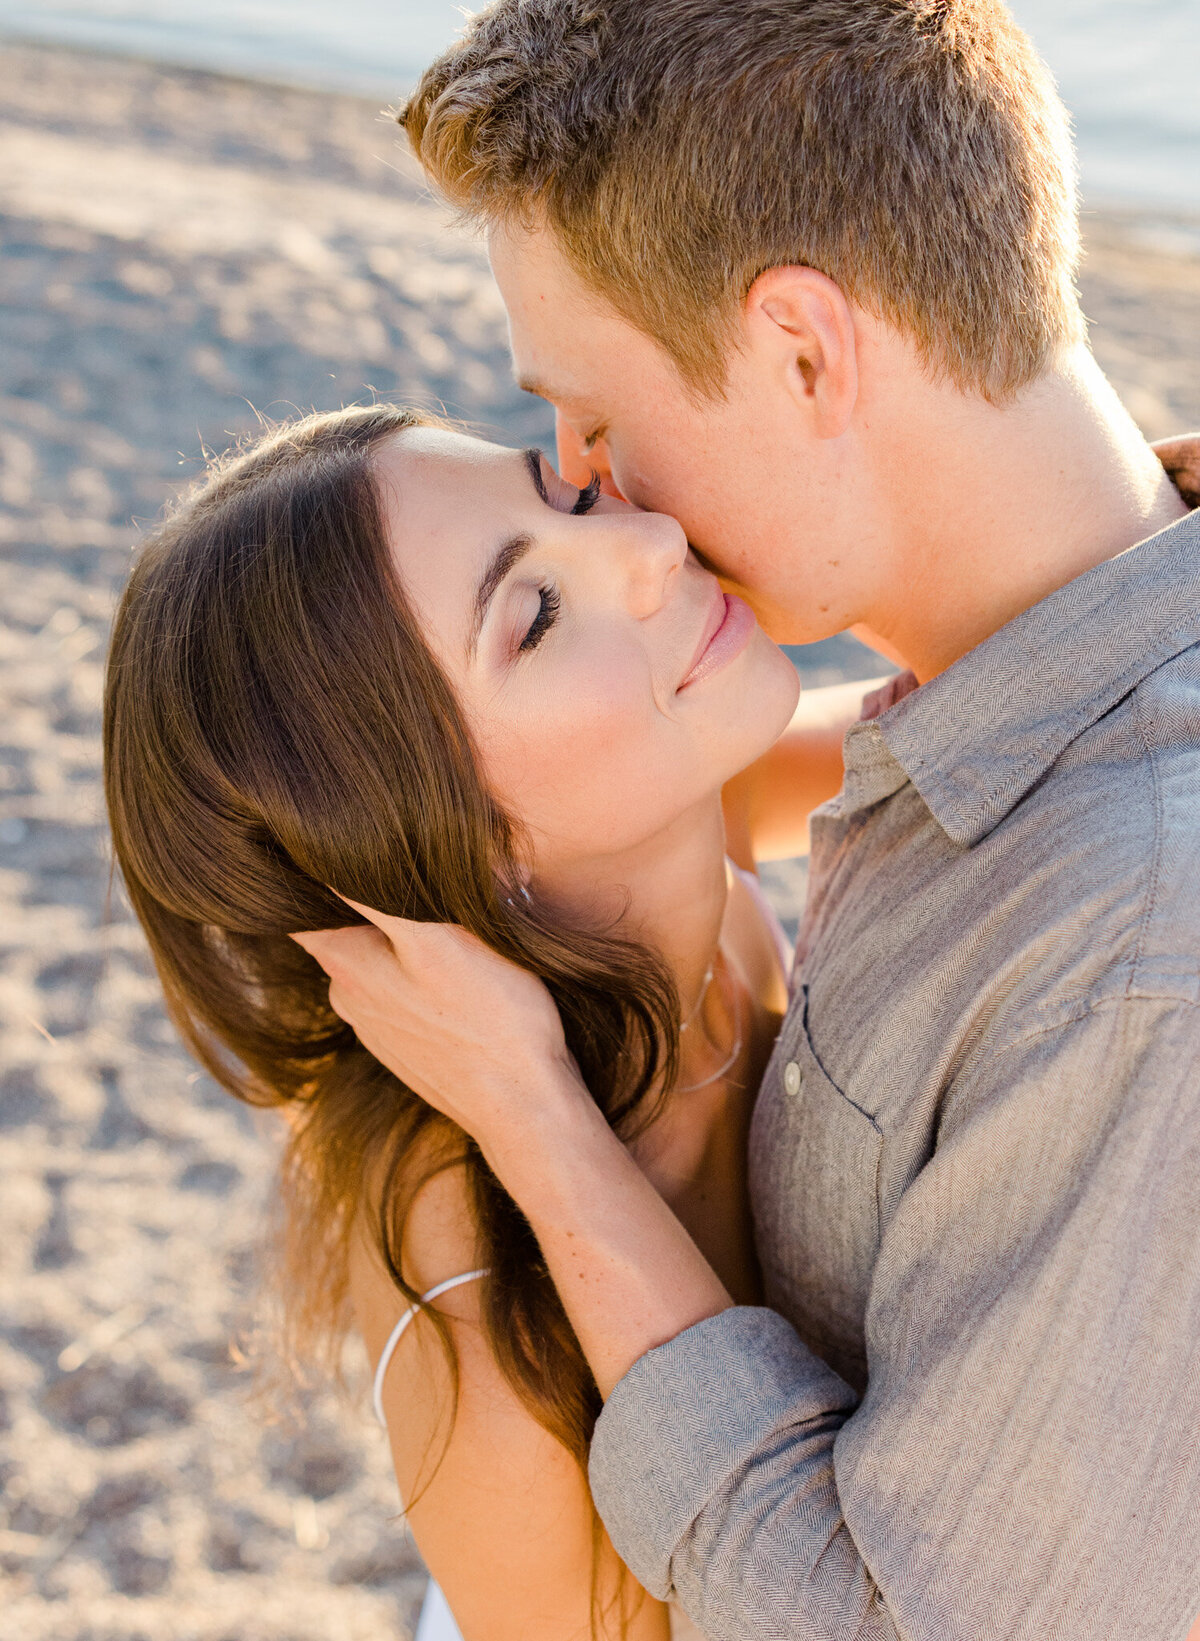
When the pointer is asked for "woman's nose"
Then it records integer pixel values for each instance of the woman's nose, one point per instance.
(577, 464)
(655, 552)
(655, 546)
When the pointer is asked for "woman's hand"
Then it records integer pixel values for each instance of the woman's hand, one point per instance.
(481, 1040)
(476, 1036)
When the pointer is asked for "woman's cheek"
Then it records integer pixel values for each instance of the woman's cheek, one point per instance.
(574, 764)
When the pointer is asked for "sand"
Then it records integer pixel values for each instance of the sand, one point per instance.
(180, 253)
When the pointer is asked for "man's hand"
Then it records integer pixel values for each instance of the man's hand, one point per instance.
(476, 1036)
(1181, 458)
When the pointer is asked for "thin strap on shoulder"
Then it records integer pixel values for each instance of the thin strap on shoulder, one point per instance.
(398, 1331)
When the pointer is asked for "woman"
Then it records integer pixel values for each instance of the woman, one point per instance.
(372, 658)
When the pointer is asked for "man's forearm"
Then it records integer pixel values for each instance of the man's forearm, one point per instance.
(629, 1275)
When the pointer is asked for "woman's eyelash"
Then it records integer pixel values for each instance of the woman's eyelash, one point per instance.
(588, 496)
(549, 601)
(549, 604)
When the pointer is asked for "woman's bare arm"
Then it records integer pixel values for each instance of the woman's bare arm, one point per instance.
(504, 1520)
(767, 806)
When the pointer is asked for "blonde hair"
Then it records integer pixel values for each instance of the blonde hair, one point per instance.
(915, 151)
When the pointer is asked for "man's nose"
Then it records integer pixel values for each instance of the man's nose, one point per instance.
(577, 464)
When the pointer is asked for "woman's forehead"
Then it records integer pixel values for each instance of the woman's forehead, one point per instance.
(447, 498)
(436, 449)
(429, 474)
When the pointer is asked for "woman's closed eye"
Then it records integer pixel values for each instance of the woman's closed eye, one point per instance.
(549, 605)
(588, 496)
(554, 490)
(549, 601)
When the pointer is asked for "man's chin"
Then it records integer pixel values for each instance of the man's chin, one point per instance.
(769, 617)
(791, 628)
(795, 626)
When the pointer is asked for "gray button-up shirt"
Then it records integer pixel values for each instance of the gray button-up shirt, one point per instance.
(973, 1410)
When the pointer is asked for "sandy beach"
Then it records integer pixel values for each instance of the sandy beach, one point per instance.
(181, 254)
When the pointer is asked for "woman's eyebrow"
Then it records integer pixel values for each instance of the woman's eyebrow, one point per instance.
(533, 461)
(501, 562)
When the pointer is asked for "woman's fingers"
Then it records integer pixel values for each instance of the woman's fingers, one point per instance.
(461, 1025)
(414, 940)
(349, 948)
(382, 920)
(361, 965)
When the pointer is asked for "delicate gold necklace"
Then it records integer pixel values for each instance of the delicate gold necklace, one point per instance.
(695, 1008)
(731, 1060)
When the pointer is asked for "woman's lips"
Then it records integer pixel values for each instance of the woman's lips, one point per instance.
(734, 625)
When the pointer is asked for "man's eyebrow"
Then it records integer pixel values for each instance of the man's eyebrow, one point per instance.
(546, 390)
(508, 553)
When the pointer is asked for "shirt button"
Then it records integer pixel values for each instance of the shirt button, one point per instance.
(791, 1077)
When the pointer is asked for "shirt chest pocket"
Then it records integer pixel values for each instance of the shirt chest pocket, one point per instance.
(814, 1179)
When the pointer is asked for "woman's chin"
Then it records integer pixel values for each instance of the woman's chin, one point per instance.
(767, 691)
(774, 685)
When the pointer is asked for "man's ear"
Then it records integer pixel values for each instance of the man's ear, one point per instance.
(802, 319)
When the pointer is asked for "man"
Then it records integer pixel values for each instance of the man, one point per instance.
(800, 272)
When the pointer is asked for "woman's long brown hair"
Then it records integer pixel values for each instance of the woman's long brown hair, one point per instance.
(275, 723)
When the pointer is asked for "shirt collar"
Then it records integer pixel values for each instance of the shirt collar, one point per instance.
(976, 738)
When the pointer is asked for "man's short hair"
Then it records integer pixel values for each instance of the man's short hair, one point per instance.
(915, 151)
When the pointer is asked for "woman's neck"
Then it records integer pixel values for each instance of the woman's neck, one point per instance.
(669, 892)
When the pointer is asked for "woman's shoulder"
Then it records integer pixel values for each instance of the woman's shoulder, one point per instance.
(754, 935)
(440, 1235)
(438, 1239)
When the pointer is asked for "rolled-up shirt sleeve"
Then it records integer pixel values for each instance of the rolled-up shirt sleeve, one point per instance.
(1025, 1462)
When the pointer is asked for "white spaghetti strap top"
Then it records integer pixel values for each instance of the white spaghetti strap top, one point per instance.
(397, 1334)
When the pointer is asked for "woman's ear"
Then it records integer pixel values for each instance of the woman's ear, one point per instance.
(803, 323)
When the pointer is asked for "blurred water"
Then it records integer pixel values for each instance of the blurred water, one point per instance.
(1127, 68)
(375, 46)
